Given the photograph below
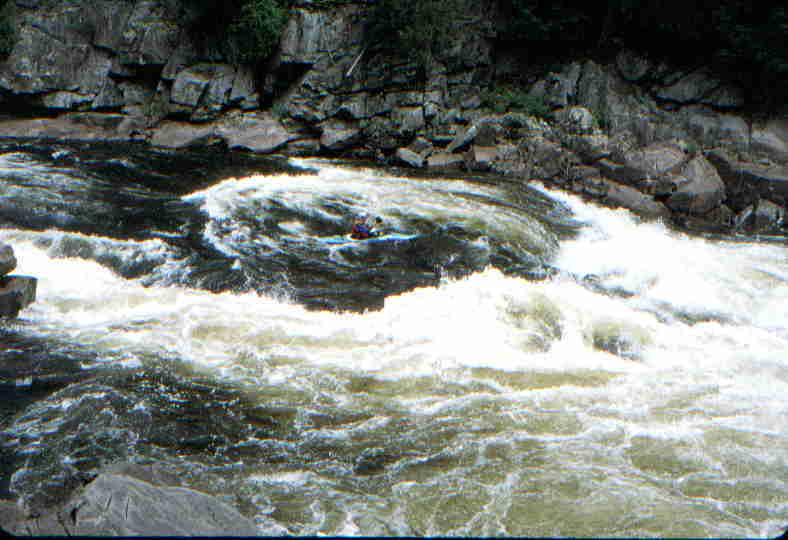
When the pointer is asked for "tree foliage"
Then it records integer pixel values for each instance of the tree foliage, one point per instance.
(7, 31)
(743, 40)
(239, 31)
(415, 29)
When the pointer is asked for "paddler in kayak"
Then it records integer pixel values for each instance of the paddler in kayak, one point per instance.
(363, 228)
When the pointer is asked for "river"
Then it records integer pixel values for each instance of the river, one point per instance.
(503, 360)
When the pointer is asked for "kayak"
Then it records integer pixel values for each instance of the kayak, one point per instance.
(347, 239)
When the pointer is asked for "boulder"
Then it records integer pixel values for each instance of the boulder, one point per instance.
(338, 136)
(576, 120)
(256, 132)
(132, 502)
(480, 158)
(760, 217)
(7, 259)
(445, 160)
(703, 191)
(409, 157)
(772, 140)
(407, 120)
(701, 87)
(172, 134)
(746, 182)
(16, 293)
(619, 195)
(655, 160)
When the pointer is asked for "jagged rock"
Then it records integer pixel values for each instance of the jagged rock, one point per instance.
(409, 157)
(590, 147)
(7, 259)
(772, 139)
(480, 158)
(558, 89)
(704, 190)
(190, 84)
(643, 166)
(407, 120)
(655, 160)
(338, 136)
(576, 120)
(16, 293)
(760, 217)
(309, 34)
(149, 37)
(619, 195)
(701, 87)
(423, 147)
(722, 215)
(745, 182)
(132, 502)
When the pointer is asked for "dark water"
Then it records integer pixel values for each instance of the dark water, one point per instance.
(460, 375)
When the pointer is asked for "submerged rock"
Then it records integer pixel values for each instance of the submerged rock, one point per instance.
(134, 501)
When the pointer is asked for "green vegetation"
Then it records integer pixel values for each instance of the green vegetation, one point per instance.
(238, 31)
(415, 30)
(507, 98)
(7, 31)
(255, 33)
(743, 41)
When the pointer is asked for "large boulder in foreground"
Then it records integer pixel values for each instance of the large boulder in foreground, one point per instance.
(703, 190)
(7, 259)
(129, 502)
(16, 293)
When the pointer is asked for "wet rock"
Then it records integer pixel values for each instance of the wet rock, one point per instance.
(338, 136)
(16, 293)
(760, 217)
(7, 259)
(703, 191)
(134, 501)
(409, 157)
(172, 134)
(619, 195)
(445, 160)
(745, 182)
(257, 132)
(481, 158)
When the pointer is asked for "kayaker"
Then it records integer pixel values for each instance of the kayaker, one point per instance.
(363, 229)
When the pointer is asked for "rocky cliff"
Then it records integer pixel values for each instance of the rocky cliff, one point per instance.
(631, 132)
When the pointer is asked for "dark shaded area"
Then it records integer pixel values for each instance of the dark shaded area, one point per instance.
(743, 42)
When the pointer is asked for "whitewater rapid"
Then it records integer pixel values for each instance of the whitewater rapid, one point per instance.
(639, 391)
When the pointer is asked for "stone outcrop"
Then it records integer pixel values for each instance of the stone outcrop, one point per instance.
(131, 70)
(16, 292)
(131, 500)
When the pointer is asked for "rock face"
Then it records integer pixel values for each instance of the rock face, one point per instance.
(131, 70)
(133, 501)
(16, 292)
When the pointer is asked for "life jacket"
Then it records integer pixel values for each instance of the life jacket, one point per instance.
(360, 231)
